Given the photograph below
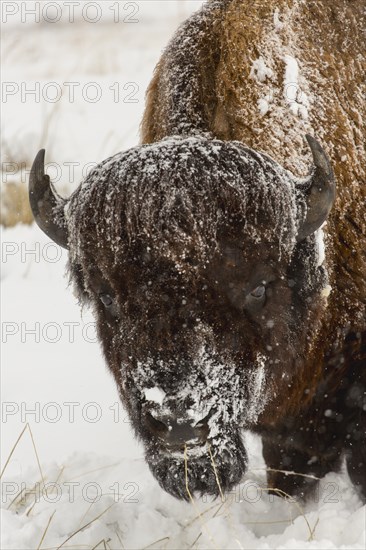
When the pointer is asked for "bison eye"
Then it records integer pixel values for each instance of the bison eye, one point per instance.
(258, 292)
(106, 300)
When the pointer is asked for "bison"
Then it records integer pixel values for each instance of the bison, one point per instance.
(223, 300)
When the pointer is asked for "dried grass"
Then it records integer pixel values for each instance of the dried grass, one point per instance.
(15, 207)
(218, 509)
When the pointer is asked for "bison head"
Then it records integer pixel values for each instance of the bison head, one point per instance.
(200, 261)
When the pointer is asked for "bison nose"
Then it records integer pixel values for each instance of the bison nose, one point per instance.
(175, 432)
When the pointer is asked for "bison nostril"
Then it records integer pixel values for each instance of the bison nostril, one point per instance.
(202, 430)
(176, 432)
(156, 427)
(181, 433)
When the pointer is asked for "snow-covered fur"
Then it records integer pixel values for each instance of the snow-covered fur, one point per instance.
(209, 309)
(266, 73)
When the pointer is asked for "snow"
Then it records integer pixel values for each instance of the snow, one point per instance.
(285, 98)
(264, 104)
(294, 95)
(205, 392)
(321, 256)
(277, 21)
(326, 291)
(260, 71)
(155, 395)
(319, 239)
(258, 397)
(94, 485)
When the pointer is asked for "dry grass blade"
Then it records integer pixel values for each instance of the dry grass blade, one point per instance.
(289, 521)
(22, 492)
(35, 452)
(218, 508)
(216, 474)
(73, 547)
(223, 500)
(37, 457)
(204, 527)
(286, 472)
(28, 512)
(94, 470)
(98, 543)
(119, 538)
(35, 500)
(196, 539)
(12, 451)
(85, 526)
(156, 542)
(86, 513)
(315, 526)
(45, 531)
(284, 494)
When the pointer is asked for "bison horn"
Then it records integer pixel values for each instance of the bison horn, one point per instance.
(46, 204)
(320, 195)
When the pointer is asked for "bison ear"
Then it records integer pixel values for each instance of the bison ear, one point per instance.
(320, 195)
(46, 204)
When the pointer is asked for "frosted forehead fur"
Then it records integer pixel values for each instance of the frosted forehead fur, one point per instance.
(180, 195)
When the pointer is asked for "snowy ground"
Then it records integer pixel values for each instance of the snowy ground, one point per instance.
(83, 467)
